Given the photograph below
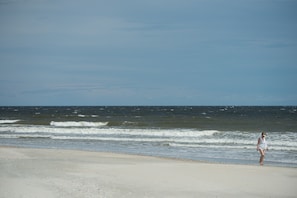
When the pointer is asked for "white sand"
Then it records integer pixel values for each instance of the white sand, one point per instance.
(66, 173)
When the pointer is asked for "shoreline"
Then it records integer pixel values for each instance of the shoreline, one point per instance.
(30, 172)
(206, 161)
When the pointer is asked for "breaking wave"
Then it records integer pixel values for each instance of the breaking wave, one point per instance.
(187, 138)
(78, 124)
(8, 121)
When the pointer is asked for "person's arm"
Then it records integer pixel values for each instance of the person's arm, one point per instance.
(258, 144)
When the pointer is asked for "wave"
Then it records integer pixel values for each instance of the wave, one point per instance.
(84, 116)
(224, 146)
(78, 124)
(193, 138)
(8, 121)
(76, 128)
(212, 146)
(170, 142)
(16, 136)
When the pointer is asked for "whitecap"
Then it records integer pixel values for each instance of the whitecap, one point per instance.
(8, 121)
(78, 124)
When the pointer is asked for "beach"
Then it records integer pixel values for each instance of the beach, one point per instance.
(29, 172)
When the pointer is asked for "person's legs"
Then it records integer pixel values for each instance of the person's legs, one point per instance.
(262, 153)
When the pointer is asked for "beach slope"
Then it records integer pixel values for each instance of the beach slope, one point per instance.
(70, 173)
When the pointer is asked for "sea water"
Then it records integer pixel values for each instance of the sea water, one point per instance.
(207, 133)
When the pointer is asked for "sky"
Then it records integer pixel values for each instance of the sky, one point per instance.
(148, 52)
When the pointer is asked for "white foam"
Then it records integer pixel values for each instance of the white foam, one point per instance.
(77, 128)
(212, 146)
(15, 136)
(8, 121)
(172, 137)
(84, 116)
(78, 124)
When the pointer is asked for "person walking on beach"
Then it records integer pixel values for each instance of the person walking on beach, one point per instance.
(262, 147)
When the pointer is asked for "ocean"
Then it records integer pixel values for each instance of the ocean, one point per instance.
(217, 134)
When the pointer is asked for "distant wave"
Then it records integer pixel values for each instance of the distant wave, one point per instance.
(78, 124)
(8, 121)
(84, 116)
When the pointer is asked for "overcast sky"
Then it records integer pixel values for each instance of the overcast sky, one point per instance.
(148, 52)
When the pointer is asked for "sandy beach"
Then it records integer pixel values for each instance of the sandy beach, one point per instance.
(70, 173)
